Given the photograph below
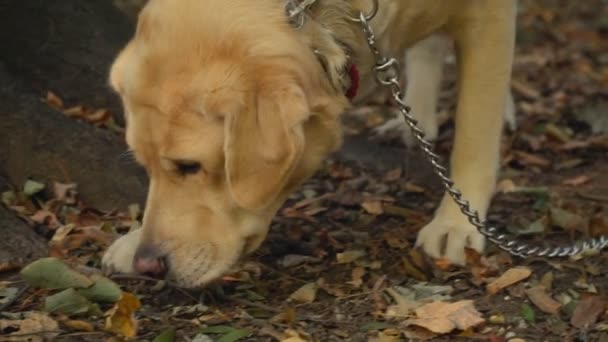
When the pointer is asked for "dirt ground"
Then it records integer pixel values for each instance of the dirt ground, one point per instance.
(339, 262)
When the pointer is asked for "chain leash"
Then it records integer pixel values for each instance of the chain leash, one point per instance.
(387, 73)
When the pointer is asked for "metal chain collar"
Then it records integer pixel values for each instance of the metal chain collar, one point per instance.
(387, 73)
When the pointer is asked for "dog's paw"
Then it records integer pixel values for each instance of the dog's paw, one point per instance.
(119, 256)
(445, 238)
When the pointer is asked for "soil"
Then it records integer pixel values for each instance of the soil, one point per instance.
(366, 203)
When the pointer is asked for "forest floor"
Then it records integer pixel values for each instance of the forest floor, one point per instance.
(339, 262)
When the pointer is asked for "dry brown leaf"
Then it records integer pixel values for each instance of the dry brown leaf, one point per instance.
(78, 325)
(121, 318)
(442, 317)
(373, 207)
(577, 181)
(539, 297)
(393, 175)
(65, 192)
(53, 100)
(357, 276)
(291, 335)
(587, 311)
(506, 186)
(349, 256)
(531, 159)
(75, 111)
(510, 277)
(411, 187)
(524, 89)
(36, 326)
(305, 294)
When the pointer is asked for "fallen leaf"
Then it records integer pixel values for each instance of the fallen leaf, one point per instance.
(531, 159)
(373, 207)
(442, 317)
(539, 297)
(305, 294)
(357, 276)
(510, 277)
(387, 335)
(62, 232)
(393, 175)
(53, 100)
(69, 302)
(292, 260)
(291, 335)
(567, 220)
(551, 130)
(66, 193)
(404, 306)
(78, 325)
(31, 187)
(103, 290)
(46, 218)
(166, 336)
(587, 312)
(527, 313)
(121, 318)
(229, 334)
(37, 326)
(52, 273)
(8, 294)
(349, 256)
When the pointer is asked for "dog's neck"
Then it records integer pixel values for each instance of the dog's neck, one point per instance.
(334, 37)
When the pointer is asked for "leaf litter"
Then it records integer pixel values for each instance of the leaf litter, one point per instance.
(344, 243)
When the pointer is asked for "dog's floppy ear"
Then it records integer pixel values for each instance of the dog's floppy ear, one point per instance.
(264, 143)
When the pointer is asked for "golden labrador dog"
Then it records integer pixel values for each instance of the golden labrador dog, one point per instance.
(229, 107)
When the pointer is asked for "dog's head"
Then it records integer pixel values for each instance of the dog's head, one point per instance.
(228, 110)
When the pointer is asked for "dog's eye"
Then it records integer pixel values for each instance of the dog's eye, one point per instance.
(185, 167)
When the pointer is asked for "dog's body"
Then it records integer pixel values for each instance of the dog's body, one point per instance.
(230, 108)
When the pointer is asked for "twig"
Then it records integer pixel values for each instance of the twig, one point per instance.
(254, 304)
(283, 274)
(598, 198)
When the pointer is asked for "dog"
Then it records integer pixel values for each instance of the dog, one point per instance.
(230, 105)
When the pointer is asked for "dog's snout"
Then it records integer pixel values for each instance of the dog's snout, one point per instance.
(149, 260)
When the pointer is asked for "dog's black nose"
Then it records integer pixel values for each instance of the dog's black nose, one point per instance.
(150, 261)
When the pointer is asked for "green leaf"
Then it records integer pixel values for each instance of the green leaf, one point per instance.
(7, 294)
(217, 329)
(235, 335)
(32, 187)
(69, 302)
(8, 198)
(373, 326)
(103, 290)
(52, 273)
(528, 313)
(166, 336)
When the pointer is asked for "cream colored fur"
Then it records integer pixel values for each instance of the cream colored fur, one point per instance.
(230, 85)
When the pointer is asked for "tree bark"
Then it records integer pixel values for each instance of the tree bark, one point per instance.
(66, 46)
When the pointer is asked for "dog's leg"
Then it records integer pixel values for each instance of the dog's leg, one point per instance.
(424, 67)
(485, 44)
(119, 256)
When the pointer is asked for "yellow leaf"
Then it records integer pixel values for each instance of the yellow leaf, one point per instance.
(121, 319)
